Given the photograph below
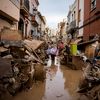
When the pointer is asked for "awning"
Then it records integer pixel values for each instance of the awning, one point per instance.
(33, 44)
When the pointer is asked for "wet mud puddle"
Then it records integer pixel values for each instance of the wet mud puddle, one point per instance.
(60, 84)
(54, 88)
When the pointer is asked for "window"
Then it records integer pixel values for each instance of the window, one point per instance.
(79, 15)
(93, 4)
(74, 15)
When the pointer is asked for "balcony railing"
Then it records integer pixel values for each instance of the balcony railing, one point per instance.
(72, 25)
(33, 18)
(16, 3)
(34, 22)
(25, 6)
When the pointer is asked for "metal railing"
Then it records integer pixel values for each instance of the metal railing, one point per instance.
(25, 3)
(72, 25)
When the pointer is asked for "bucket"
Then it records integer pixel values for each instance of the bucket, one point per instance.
(74, 49)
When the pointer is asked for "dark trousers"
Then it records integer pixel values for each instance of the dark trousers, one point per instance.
(52, 57)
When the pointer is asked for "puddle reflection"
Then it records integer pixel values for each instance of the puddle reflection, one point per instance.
(54, 89)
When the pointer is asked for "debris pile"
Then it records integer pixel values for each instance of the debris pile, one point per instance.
(89, 86)
(18, 64)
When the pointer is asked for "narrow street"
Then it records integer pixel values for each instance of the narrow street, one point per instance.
(49, 49)
(60, 84)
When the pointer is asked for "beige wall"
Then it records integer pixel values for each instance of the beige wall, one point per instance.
(81, 7)
(10, 8)
(4, 23)
(42, 24)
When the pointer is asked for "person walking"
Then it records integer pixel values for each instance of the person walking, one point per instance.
(53, 52)
(60, 46)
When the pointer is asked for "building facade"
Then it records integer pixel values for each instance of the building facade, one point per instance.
(24, 15)
(80, 17)
(41, 25)
(36, 22)
(33, 24)
(62, 30)
(91, 19)
(9, 13)
(72, 19)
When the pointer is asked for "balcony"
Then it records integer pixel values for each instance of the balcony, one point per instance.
(24, 7)
(9, 9)
(34, 22)
(73, 24)
(72, 27)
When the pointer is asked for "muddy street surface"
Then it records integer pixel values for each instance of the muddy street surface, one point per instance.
(60, 84)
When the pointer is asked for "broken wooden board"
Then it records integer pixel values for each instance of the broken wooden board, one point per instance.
(33, 44)
(32, 58)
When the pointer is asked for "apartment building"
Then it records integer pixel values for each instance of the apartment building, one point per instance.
(24, 15)
(61, 31)
(33, 24)
(9, 13)
(91, 19)
(72, 19)
(36, 22)
(42, 24)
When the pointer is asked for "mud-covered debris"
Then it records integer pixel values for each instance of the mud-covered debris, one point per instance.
(58, 96)
(40, 73)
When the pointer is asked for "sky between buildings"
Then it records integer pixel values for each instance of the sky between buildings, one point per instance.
(54, 10)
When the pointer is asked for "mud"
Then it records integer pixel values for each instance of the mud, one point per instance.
(60, 84)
